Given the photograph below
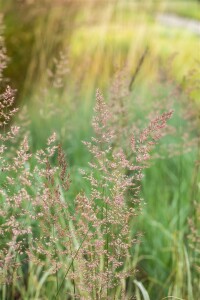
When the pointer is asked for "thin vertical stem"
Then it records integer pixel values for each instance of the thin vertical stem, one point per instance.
(73, 281)
(56, 254)
(77, 251)
(179, 192)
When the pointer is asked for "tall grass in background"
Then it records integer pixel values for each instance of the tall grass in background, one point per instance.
(51, 245)
(93, 34)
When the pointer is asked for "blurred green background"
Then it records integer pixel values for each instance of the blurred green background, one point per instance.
(98, 37)
(61, 51)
